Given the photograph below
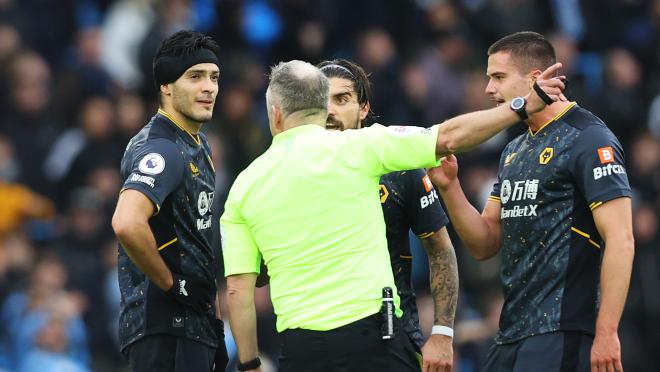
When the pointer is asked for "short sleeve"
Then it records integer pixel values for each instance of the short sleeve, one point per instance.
(598, 165)
(423, 208)
(239, 250)
(156, 170)
(495, 192)
(395, 148)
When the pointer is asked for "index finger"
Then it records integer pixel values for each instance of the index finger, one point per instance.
(550, 71)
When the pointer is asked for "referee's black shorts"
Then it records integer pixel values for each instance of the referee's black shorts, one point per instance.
(167, 353)
(561, 351)
(356, 347)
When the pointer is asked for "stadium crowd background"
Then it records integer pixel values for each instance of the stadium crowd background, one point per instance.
(75, 85)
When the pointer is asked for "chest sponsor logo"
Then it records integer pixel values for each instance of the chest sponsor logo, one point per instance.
(428, 186)
(606, 155)
(427, 200)
(512, 191)
(204, 203)
(383, 193)
(546, 155)
(144, 179)
(509, 158)
(152, 163)
(608, 170)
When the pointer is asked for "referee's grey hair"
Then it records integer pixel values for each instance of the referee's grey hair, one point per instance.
(298, 86)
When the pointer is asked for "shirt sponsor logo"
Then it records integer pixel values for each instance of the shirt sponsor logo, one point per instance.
(152, 163)
(203, 224)
(518, 211)
(606, 155)
(427, 200)
(204, 202)
(516, 191)
(521, 190)
(428, 186)
(144, 179)
(608, 170)
(546, 155)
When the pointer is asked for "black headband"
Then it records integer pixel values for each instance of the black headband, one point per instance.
(168, 69)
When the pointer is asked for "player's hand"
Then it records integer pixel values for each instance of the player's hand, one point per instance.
(438, 354)
(221, 359)
(606, 353)
(191, 292)
(445, 174)
(553, 86)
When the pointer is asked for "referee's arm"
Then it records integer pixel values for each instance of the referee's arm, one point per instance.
(463, 132)
(242, 314)
(130, 223)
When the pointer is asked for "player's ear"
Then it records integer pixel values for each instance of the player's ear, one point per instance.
(533, 75)
(165, 89)
(364, 111)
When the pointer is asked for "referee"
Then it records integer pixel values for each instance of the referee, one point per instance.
(308, 206)
(163, 218)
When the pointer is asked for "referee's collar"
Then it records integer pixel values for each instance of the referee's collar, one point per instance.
(296, 131)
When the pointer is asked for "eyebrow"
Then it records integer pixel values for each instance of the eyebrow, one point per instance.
(342, 94)
(496, 73)
(203, 72)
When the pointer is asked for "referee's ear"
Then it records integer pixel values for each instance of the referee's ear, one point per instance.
(277, 120)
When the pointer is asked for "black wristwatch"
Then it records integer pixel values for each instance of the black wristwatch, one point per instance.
(252, 364)
(519, 105)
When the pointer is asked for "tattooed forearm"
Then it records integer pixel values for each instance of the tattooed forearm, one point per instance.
(444, 277)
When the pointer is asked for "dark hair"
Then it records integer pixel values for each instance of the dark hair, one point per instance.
(185, 43)
(345, 69)
(180, 51)
(530, 50)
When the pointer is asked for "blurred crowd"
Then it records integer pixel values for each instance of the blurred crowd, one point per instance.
(76, 84)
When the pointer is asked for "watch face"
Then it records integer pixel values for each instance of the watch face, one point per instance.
(517, 103)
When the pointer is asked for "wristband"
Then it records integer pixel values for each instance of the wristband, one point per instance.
(252, 364)
(442, 330)
(543, 95)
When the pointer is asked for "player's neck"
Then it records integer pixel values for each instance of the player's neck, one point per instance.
(192, 127)
(544, 117)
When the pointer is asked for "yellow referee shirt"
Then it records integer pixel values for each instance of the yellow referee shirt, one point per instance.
(310, 207)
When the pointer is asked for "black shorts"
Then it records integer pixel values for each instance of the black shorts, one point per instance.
(167, 353)
(561, 351)
(354, 347)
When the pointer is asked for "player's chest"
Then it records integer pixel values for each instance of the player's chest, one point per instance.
(535, 171)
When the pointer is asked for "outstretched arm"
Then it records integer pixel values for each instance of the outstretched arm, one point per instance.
(463, 132)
